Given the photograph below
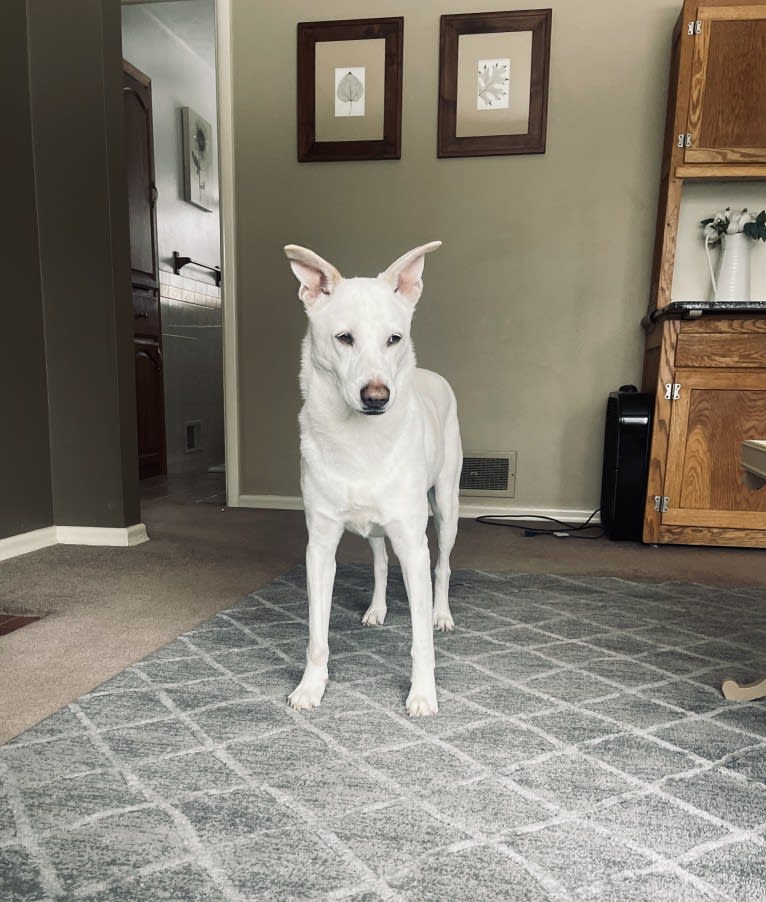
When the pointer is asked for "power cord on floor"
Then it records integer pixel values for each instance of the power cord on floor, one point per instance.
(567, 532)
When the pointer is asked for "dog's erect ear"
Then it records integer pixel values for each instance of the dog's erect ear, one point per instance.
(405, 275)
(317, 276)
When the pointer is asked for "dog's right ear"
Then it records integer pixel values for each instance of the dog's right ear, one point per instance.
(317, 276)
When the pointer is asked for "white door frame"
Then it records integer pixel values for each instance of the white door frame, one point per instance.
(223, 67)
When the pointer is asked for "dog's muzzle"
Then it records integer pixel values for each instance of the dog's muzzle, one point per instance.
(374, 397)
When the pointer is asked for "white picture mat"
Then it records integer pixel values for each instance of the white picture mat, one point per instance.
(331, 55)
(511, 120)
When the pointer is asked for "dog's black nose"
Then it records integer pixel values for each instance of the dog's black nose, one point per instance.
(374, 397)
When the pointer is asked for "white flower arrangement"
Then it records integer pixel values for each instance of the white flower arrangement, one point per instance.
(727, 223)
(733, 282)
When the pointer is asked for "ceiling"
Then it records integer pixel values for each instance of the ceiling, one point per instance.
(192, 20)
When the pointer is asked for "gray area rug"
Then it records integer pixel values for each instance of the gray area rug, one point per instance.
(583, 750)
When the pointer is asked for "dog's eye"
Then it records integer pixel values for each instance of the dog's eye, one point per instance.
(394, 339)
(345, 338)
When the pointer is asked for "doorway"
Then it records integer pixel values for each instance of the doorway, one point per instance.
(179, 370)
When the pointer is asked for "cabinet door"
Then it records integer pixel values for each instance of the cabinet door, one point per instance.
(717, 410)
(139, 162)
(726, 121)
(147, 332)
(151, 410)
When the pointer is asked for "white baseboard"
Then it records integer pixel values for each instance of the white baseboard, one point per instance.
(473, 508)
(25, 542)
(120, 537)
(478, 508)
(272, 502)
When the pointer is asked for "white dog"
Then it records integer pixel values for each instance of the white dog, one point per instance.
(379, 440)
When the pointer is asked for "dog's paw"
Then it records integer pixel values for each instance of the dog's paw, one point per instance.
(443, 621)
(306, 696)
(374, 615)
(422, 704)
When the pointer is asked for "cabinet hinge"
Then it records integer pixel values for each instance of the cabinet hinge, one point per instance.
(661, 503)
(672, 391)
(694, 27)
(684, 140)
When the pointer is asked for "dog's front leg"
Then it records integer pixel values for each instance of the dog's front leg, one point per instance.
(324, 535)
(411, 547)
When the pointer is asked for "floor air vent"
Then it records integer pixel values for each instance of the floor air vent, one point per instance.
(193, 435)
(488, 473)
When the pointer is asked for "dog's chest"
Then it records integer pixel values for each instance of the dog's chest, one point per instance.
(358, 500)
(360, 507)
(363, 521)
(363, 476)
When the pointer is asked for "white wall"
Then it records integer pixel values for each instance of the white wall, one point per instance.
(179, 78)
(191, 308)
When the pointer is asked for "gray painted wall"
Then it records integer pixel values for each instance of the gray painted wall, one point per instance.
(179, 78)
(532, 307)
(76, 87)
(71, 458)
(25, 480)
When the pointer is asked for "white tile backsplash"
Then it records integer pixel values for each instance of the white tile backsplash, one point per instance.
(189, 291)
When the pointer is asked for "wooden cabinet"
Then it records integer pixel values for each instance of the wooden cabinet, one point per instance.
(715, 126)
(727, 90)
(713, 399)
(707, 374)
(150, 412)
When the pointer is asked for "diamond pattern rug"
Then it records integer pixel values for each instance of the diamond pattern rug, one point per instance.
(582, 750)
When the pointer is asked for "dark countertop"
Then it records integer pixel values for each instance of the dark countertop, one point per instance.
(696, 309)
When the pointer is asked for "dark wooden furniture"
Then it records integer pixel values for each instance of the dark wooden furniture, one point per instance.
(147, 331)
(707, 369)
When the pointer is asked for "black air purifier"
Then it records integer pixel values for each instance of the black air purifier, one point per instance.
(626, 459)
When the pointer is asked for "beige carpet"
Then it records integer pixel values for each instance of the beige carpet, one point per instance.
(108, 608)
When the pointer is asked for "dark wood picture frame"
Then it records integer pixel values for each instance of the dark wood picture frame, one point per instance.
(538, 21)
(309, 35)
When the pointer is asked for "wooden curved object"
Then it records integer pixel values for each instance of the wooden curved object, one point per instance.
(737, 692)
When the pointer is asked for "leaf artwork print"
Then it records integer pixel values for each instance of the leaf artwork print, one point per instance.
(493, 78)
(349, 91)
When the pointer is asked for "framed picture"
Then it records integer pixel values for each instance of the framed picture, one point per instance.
(350, 90)
(197, 149)
(493, 83)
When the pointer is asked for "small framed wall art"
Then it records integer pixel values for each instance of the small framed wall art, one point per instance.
(350, 90)
(197, 144)
(493, 83)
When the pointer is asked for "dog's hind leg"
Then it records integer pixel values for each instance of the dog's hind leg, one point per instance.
(324, 536)
(444, 498)
(376, 613)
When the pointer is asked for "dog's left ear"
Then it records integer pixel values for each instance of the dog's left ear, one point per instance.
(405, 275)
